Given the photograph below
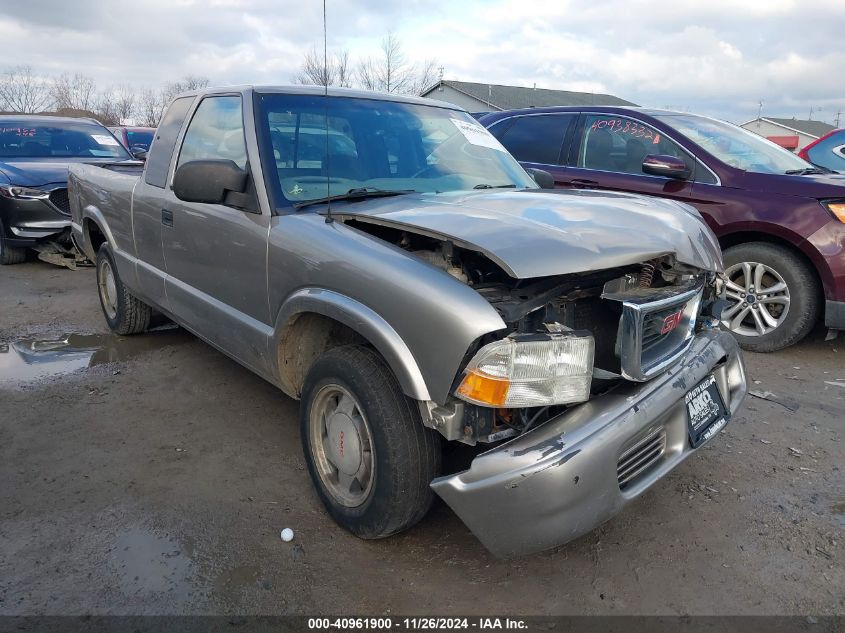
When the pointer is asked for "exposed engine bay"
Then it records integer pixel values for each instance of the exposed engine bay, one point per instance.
(590, 301)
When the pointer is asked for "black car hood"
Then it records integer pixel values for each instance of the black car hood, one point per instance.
(35, 172)
(817, 186)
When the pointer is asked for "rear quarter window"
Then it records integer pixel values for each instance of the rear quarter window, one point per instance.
(161, 151)
(537, 138)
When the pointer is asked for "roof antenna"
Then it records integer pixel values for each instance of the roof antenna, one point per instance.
(329, 218)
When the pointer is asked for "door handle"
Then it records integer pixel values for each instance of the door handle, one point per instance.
(167, 217)
(583, 182)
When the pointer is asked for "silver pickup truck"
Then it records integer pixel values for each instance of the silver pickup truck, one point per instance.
(384, 260)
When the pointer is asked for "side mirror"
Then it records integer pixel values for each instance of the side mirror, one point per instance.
(138, 153)
(542, 178)
(208, 181)
(666, 166)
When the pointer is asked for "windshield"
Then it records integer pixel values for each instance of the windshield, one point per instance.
(22, 139)
(736, 146)
(378, 145)
(139, 138)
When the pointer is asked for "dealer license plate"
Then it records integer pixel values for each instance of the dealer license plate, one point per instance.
(706, 412)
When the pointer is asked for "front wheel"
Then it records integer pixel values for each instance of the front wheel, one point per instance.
(124, 312)
(368, 453)
(774, 296)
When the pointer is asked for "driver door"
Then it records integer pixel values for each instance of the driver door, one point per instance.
(216, 254)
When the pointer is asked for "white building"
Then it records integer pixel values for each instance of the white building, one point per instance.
(793, 134)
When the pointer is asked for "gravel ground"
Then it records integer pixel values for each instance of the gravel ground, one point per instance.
(154, 477)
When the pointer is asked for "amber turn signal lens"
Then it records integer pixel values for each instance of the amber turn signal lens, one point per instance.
(481, 388)
(837, 209)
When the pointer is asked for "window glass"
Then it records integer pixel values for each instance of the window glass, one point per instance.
(325, 147)
(617, 143)
(537, 138)
(736, 146)
(34, 138)
(216, 131)
(161, 151)
(829, 152)
(139, 138)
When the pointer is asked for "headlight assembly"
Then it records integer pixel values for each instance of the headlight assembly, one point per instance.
(23, 193)
(836, 207)
(530, 371)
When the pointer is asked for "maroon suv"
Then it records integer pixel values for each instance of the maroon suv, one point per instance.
(780, 220)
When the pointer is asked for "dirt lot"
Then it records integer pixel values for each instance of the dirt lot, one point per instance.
(157, 480)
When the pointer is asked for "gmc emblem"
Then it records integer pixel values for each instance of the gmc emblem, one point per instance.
(672, 321)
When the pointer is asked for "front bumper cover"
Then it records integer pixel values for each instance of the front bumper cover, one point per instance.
(559, 481)
(28, 221)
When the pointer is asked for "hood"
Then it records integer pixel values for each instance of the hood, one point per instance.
(817, 186)
(538, 234)
(34, 172)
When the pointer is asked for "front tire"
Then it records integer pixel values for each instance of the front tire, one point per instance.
(124, 312)
(10, 254)
(774, 295)
(368, 453)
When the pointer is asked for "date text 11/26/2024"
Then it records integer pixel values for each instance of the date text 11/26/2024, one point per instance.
(416, 624)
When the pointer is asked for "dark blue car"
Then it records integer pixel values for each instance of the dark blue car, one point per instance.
(35, 152)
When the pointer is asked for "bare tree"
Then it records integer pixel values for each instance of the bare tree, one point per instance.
(342, 71)
(188, 82)
(391, 71)
(77, 92)
(125, 101)
(23, 91)
(150, 107)
(106, 109)
(315, 71)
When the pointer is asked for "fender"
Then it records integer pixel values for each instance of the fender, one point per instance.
(367, 323)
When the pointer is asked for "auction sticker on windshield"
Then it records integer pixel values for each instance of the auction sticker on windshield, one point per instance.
(102, 139)
(706, 412)
(478, 135)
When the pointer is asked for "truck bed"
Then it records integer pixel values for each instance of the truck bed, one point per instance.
(104, 191)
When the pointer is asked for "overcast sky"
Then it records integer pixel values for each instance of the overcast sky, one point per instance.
(717, 57)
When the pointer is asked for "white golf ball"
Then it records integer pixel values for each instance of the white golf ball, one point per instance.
(287, 535)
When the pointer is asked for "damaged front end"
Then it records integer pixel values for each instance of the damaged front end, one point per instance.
(583, 399)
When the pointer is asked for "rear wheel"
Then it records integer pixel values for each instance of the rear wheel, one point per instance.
(774, 296)
(124, 312)
(368, 453)
(10, 254)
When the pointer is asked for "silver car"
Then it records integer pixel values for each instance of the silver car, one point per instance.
(385, 260)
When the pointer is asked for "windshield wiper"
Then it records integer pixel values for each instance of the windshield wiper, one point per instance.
(806, 171)
(361, 193)
(484, 185)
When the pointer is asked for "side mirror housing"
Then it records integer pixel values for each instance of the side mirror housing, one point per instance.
(209, 181)
(666, 166)
(138, 153)
(542, 178)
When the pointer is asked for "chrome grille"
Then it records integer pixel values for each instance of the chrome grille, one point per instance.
(60, 200)
(640, 457)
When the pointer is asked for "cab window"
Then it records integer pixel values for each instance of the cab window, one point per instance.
(537, 138)
(216, 131)
(619, 144)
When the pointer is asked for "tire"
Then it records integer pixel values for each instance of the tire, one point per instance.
(389, 492)
(125, 313)
(783, 317)
(10, 254)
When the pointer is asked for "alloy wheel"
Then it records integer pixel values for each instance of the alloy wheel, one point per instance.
(759, 299)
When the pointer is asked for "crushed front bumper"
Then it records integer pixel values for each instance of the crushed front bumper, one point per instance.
(560, 480)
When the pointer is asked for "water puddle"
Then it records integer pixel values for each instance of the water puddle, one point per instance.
(838, 510)
(147, 563)
(33, 359)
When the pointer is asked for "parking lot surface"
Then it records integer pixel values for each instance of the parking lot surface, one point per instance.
(153, 475)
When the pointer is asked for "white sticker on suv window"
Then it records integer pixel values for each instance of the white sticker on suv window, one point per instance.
(477, 135)
(102, 139)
